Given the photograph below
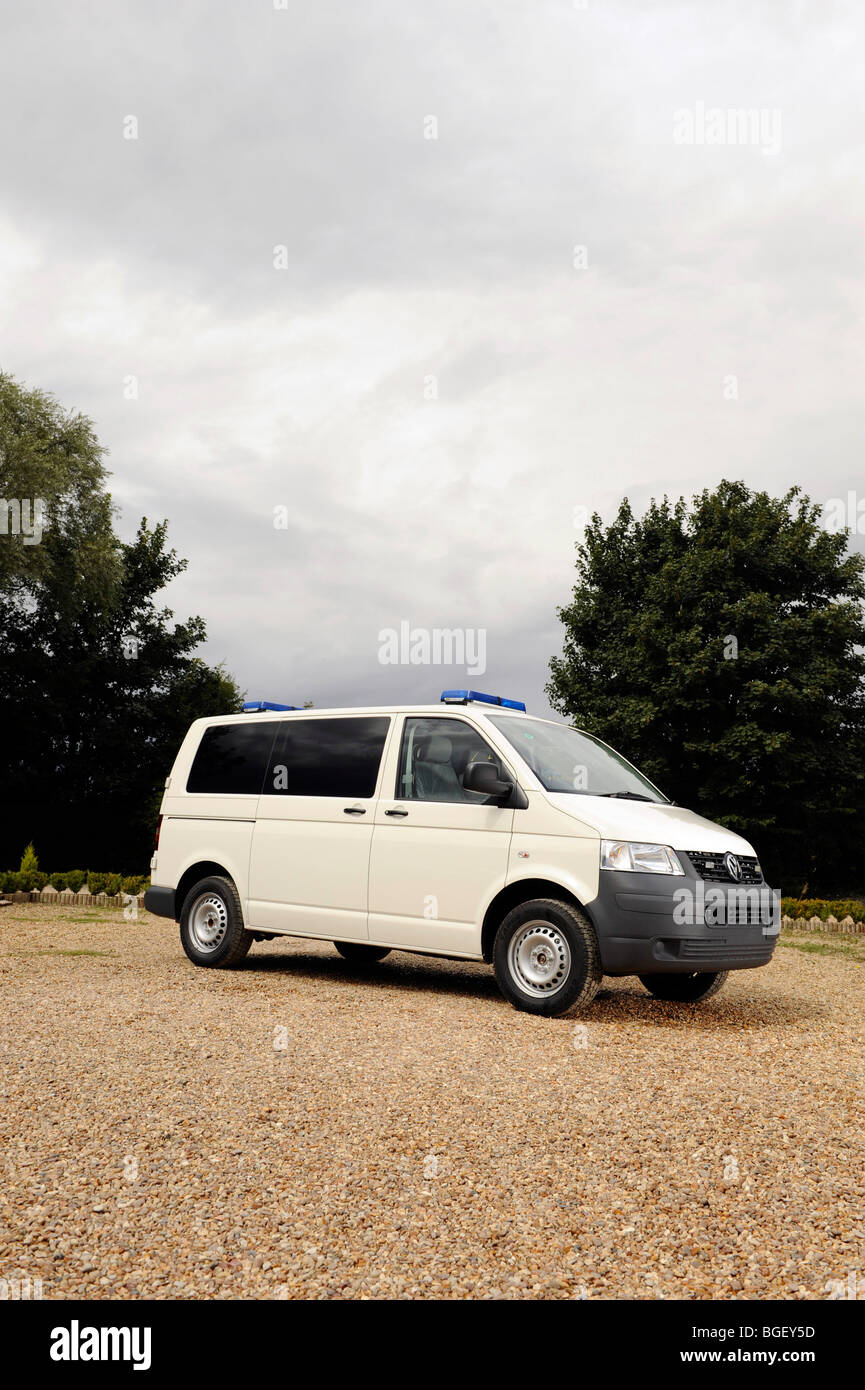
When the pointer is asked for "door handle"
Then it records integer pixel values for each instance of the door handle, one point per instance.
(396, 812)
(354, 810)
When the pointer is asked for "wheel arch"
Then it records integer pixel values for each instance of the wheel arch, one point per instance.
(205, 868)
(523, 890)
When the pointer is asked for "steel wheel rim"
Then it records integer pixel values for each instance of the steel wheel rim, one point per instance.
(539, 958)
(208, 922)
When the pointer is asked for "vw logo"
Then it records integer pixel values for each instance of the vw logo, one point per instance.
(733, 867)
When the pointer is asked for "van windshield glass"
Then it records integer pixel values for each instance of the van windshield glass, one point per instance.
(565, 760)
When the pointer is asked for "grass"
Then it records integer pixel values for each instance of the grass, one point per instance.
(816, 943)
(60, 952)
(92, 919)
(104, 915)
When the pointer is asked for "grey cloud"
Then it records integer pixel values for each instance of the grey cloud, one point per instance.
(557, 388)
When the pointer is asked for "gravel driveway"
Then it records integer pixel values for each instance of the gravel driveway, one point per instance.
(303, 1128)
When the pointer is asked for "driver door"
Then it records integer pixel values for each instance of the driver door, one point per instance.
(439, 852)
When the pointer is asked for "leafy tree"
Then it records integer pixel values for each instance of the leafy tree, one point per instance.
(52, 456)
(719, 646)
(97, 683)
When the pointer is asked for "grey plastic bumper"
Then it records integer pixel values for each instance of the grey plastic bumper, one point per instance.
(643, 929)
(160, 901)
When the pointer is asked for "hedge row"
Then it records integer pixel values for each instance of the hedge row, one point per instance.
(24, 881)
(824, 908)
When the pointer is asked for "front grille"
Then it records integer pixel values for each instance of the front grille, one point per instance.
(715, 951)
(734, 913)
(711, 867)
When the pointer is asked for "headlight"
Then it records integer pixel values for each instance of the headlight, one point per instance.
(639, 858)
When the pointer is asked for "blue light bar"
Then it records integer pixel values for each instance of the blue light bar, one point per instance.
(465, 697)
(254, 706)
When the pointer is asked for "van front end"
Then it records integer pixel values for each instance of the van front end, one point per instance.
(713, 913)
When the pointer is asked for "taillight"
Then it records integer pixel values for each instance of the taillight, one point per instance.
(156, 836)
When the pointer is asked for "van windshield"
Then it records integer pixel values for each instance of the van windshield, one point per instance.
(565, 760)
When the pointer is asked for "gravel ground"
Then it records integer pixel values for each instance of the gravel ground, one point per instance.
(302, 1128)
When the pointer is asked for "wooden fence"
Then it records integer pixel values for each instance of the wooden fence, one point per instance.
(66, 897)
(817, 924)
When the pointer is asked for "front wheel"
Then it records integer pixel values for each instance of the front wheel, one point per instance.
(211, 924)
(684, 989)
(360, 953)
(546, 958)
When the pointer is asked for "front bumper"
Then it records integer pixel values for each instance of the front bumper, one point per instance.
(656, 924)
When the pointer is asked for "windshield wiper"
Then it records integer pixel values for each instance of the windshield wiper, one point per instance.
(628, 796)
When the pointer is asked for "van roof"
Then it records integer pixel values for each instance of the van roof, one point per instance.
(439, 708)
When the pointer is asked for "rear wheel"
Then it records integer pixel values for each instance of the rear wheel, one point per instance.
(211, 924)
(546, 958)
(360, 952)
(684, 989)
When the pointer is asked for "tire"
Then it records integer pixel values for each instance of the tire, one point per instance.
(685, 989)
(360, 953)
(546, 958)
(211, 924)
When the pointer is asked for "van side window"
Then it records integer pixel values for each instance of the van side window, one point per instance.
(434, 755)
(327, 757)
(232, 758)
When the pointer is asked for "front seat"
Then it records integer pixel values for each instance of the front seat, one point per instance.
(435, 778)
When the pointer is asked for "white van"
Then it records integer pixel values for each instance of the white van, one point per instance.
(467, 829)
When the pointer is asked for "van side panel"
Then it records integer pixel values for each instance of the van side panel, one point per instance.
(309, 866)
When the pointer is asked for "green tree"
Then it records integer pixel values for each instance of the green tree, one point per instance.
(719, 646)
(52, 456)
(98, 684)
(29, 861)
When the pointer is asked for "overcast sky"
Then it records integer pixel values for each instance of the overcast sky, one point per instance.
(431, 277)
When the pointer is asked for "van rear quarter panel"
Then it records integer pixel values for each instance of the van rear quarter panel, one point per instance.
(221, 835)
(199, 828)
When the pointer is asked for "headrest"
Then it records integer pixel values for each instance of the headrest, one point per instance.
(437, 749)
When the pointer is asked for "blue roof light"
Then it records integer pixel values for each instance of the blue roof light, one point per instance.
(254, 706)
(464, 697)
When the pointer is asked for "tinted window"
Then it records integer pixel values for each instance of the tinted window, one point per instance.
(434, 756)
(327, 757)
(232, 759)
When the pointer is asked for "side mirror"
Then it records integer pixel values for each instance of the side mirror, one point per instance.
(482, 777)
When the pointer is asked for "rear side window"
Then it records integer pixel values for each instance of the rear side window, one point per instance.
(232, 759)
(327, 757)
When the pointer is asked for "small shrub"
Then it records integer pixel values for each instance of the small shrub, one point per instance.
(25, 880)
(28, 870)
(823, 908)
(29, 862)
